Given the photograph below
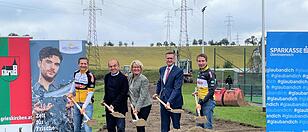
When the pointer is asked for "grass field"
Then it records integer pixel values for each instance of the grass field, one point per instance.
(153, 57)
(98, 109)
(252, 115)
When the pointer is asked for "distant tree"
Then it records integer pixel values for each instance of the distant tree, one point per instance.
(204, 43)
(260, 42)
(120, 44)
(200, 41)
(218, 43)
(224, 41)
(166, 44)
(195, 42)
(133, 43)
(105, 44)
(13, 34)
(172, 44)
(187, 44)
(252, 40)
(125, 44)
(233, 43)
(158, 44)
(110, 44)
(152, 44)
(211, 42)
(89, 43)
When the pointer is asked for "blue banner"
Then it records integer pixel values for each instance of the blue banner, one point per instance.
(287, 81)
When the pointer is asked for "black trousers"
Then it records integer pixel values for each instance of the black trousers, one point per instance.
(142, 114)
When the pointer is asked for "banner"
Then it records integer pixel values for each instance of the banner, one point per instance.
(53, 64)
(15, 87)
(287, 81)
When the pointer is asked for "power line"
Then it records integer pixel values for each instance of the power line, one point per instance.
(229, 26)
(92, 34)
(238, 39)
(168, 21)
(183, 23)
(184, 50)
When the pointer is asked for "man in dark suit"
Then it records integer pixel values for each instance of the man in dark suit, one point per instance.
(169, 89)
(116, 90)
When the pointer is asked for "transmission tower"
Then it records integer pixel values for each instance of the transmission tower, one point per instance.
(238, 39)
(229, 26)
(183, 40)
(168, 21)
(93, 52)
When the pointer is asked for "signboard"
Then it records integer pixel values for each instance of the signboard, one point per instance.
(53, 64)
(287, 81)
(15, 87)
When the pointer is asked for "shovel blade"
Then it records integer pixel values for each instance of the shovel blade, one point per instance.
(117, 114)
(201, 119)
(91, 123)
(196, 129)
(177, 111)
(140, 122)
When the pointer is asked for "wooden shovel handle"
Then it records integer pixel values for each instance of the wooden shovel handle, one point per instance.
(161, 101)
(77, 105)
(131, 105)
(196, 100)
(108, 107)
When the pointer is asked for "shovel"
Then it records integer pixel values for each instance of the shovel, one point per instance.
(113, 113)
(171, 110)
(139, 122)
(199, 118)
(89, 121)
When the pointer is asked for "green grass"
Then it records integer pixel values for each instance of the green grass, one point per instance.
(249, 115)
(153, 57)
(98, 109)
(255, 99)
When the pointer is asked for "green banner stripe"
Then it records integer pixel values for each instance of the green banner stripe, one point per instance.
(4, 87)
(5, 111)
(4, 47)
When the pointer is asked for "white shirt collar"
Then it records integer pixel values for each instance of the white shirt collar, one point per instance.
(170, 67)
(115, 74)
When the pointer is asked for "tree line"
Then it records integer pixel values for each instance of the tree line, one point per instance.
(252, 40)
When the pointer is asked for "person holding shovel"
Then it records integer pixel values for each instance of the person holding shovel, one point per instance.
(206, 85)
(139, 93)
(116, 93)
(83, 87)
(169, 90)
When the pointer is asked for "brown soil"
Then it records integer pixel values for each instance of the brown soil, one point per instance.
(187, 122)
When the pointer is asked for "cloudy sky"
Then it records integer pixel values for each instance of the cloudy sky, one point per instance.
(144, 21)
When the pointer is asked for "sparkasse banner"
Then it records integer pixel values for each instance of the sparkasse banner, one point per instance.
(287, 81)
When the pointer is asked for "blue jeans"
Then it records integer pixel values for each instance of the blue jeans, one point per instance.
(165, 116)
(79, 118)
(207, 109)
(115, 124)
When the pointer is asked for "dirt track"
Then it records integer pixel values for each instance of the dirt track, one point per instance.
(187, 122)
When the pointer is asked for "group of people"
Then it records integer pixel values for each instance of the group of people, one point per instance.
(118, 88)
(168, 89)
